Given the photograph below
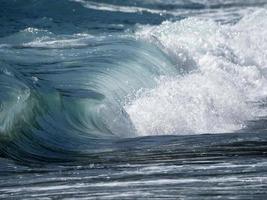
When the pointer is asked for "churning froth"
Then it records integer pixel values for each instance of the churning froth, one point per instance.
(222, 76)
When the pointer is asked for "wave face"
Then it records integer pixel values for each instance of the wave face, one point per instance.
(133, 99)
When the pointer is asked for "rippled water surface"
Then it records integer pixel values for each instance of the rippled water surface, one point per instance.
(133, 99)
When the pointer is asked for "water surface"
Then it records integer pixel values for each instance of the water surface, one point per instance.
(133, 99)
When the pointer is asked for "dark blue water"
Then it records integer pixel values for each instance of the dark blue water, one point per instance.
(133, 99)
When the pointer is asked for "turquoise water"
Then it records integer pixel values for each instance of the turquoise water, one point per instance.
(133, 99)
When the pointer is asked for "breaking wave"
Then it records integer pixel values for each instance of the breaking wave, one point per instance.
(191, 76)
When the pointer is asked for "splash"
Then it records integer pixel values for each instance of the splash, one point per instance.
(223, 75)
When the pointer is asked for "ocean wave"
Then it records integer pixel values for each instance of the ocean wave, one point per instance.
(76, 93)
(73, 94)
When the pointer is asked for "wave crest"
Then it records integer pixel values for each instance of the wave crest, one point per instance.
(227, 75)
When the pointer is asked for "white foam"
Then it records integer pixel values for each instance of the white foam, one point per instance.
(76, 40)
(117, 8)
(216, 95)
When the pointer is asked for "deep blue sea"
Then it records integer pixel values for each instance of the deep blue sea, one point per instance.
(133, 99)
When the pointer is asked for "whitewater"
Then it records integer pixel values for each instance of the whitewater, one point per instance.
(133, 100)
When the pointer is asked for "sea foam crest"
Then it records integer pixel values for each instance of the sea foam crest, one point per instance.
(225, 75)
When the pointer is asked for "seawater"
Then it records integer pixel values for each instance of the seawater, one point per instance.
(133, 99)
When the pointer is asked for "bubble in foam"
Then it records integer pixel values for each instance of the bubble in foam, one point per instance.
(216, 95)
